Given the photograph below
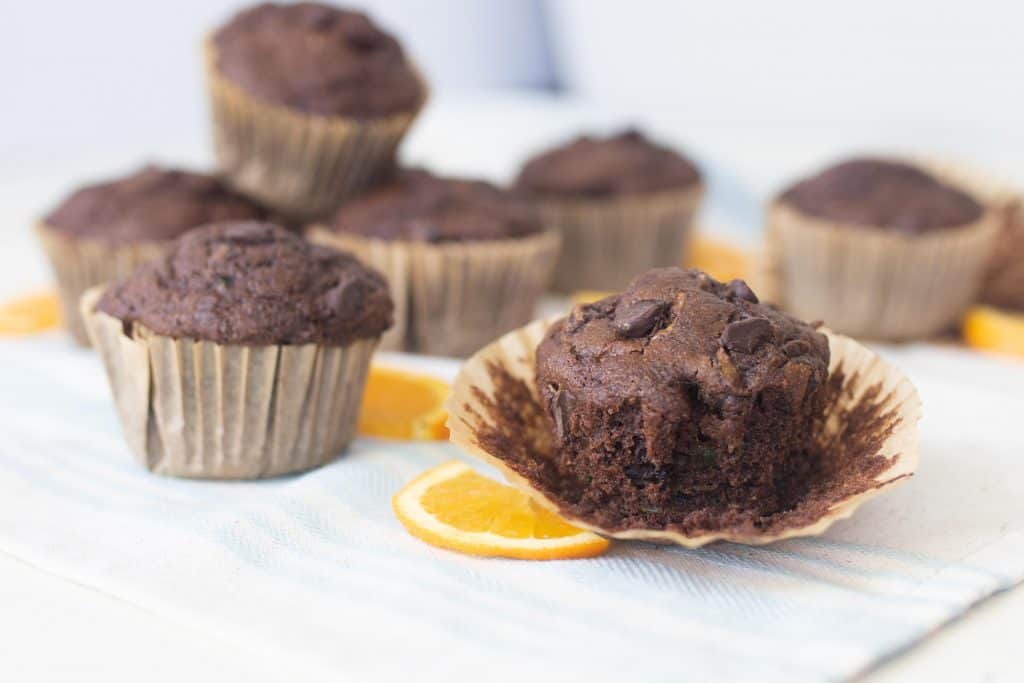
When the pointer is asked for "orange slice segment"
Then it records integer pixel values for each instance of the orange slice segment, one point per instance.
(719, 259)
(29, 314)
(451, 506)
(990, 329)
(587, 296)
(403, 405)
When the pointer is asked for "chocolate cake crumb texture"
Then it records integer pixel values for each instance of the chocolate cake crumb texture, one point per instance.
(251, 283)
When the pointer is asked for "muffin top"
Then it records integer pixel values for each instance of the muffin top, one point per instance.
(253, 284)
(318, 60)
(624, 164)
(675, 327)
(151, 205)
(423, 207)
(883, 194)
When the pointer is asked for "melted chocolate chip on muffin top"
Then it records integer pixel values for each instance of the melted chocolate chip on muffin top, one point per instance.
(317, 59)
(423, 207)
(623, 164)
(681, 400)
(883, 194)
(253, 284)
(153, 204)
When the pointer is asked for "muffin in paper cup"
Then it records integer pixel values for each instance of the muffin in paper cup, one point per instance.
(871, 411)
(318, 115)
(877, 283)
(201, 408)
(606, 242)
(1004, 280)
(79, 264)
(451, 298)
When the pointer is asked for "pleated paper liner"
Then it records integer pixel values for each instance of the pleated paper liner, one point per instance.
(875, 283)
(79, 264)
(452, 298)
(199, 409)
(871, 418)
(301, 165)
(608, 242)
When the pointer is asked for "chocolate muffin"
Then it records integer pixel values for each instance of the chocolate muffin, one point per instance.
(685, 410)
(103, 231)
(681, 398)
(1004, 280)
(241, 352)
(891, 195)
(466, 261)
(623, 204)
(879, 248)
(423, 207)
(309, 103)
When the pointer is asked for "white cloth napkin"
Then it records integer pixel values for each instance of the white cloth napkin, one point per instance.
(316, 569)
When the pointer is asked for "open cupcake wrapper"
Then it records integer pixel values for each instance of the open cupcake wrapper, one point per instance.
(301, 165)
(607, 242)
(867, 379)
(878, 284)
(452, 298)
(199, 409)
(81, 263)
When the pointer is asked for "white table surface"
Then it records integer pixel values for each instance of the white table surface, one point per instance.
(55, 630)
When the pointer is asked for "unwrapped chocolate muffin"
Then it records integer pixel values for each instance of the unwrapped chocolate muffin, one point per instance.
(685, 410)
(241, 352)
(466, 261)
(103, 231)
(879, 248)
(622, 203)
(309, 103)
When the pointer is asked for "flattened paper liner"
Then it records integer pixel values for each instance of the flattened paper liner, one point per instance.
(879, 284)
(869, 387)
(198, 409)
(79, 264)
(452, 298)
(608, 242)
(304, 166)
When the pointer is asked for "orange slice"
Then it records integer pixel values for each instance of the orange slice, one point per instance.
(403, 405)
(451, 506)
(719, 259)
(587, 296)
(29, 314)
(990, 329)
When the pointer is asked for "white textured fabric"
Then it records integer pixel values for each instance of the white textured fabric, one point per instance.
(316, 569)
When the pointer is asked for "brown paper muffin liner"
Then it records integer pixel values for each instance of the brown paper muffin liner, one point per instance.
(79, 264)
(608, 242)
(452, 298)
(877, 284)
(872, 413)
(204, 410)
(303, 166)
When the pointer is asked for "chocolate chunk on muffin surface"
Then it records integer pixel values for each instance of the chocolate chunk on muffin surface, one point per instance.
(250, 283)
(424, 207)
(318, 60)
(681, 402)
(623, 164)
(883, 194)
(153, 204)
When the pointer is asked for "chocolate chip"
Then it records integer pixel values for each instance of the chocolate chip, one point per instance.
(796, 347)
(563, 404)
(637, 318)
(340, 297)
(743, 336)
(738, 289)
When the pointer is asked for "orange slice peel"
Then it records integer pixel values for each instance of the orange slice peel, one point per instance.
(991, 329)
(29, 314)
(451, 506)
(403, 405)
